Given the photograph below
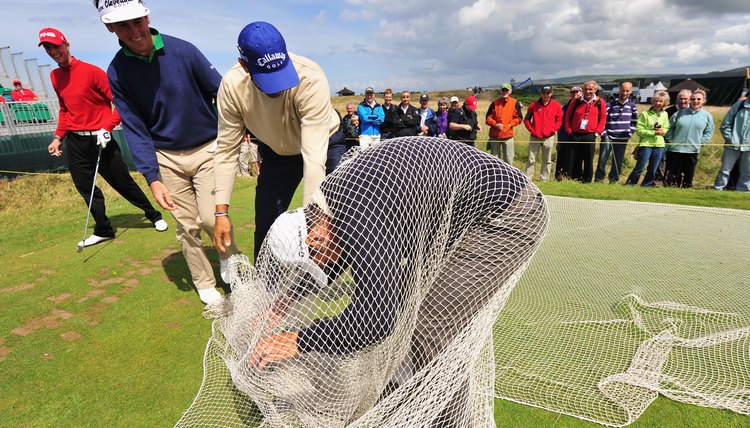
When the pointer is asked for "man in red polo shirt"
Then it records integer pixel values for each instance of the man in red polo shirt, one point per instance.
(85, 122)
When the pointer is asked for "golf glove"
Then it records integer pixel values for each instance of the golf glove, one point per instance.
(103, 137)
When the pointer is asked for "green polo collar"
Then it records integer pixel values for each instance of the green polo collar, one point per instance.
(158, 45)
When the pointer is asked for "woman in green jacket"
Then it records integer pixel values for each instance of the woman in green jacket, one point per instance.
(651, 127)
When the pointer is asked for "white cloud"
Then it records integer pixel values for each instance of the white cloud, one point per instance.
(689, 52)
(322, 17)
(738, 31)
(354, 16)
(478, 12)
(732, 50)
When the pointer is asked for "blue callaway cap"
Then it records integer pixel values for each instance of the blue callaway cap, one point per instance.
(263, 50)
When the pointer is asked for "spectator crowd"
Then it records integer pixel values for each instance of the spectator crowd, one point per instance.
(669, 137)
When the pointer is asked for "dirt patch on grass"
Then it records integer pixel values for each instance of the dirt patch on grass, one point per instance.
(110, 299)
(41, 279)
(21, 287)
(34, 324)
(132, 282)
(70, 336)
(147, 270)
(183, 302)
(172, 325)
(91, 294)
(61, 298)
(47, 271)
(134, 263)
(4, 350)
(48, 356)
(98, 308)
(111, 281)
(63, 315)
(106, 282)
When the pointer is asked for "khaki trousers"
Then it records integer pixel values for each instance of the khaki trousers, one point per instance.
(503, 149)
(189, 177)
(546, 145)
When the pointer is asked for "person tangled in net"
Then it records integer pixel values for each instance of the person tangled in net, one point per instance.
(374, 304)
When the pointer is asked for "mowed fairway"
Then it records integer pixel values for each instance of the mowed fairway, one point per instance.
(114, 336)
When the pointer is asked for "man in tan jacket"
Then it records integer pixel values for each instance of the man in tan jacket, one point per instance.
(284, 100)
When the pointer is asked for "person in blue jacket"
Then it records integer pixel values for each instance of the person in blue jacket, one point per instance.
(371, 116)
(735, 128)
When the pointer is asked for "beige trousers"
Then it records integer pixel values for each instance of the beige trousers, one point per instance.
(546, 145)
(189, 177)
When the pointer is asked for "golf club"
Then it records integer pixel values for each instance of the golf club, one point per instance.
(91, 200)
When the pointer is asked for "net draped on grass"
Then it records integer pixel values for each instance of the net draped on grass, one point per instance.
(623, 301)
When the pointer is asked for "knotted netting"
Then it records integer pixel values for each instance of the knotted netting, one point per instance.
(623, 301)
(373, 306)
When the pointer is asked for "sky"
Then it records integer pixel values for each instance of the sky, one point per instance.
(424, 45)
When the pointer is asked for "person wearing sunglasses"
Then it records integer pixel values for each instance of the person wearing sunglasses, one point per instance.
(689, 130)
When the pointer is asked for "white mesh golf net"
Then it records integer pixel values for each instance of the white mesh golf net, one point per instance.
(625, 301)
(421, 242)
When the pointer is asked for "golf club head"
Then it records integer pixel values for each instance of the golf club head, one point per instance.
(80, 248)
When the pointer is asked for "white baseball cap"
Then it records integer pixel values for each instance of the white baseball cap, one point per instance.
(454, 99)
(111, 11)
(286, 242)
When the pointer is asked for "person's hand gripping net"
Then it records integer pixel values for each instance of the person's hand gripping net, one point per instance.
(274, 349)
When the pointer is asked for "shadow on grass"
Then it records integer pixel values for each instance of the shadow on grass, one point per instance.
(134, 221)
(100, 247)
(177, 270)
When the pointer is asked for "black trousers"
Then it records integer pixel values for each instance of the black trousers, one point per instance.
(277, 182)
(680, 169)
(582, 152)
(563, 166)
(82, 152)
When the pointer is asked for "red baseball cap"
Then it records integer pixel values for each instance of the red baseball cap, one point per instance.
(471, 102)
(51, 35)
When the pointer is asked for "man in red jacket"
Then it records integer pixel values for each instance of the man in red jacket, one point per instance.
(85, 122)
(21, 94)
(543, 119)
(584, 121)
(502, 116)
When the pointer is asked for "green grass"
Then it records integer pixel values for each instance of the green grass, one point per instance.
(114, 336)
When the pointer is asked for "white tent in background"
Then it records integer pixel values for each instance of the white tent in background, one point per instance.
(648, 92)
